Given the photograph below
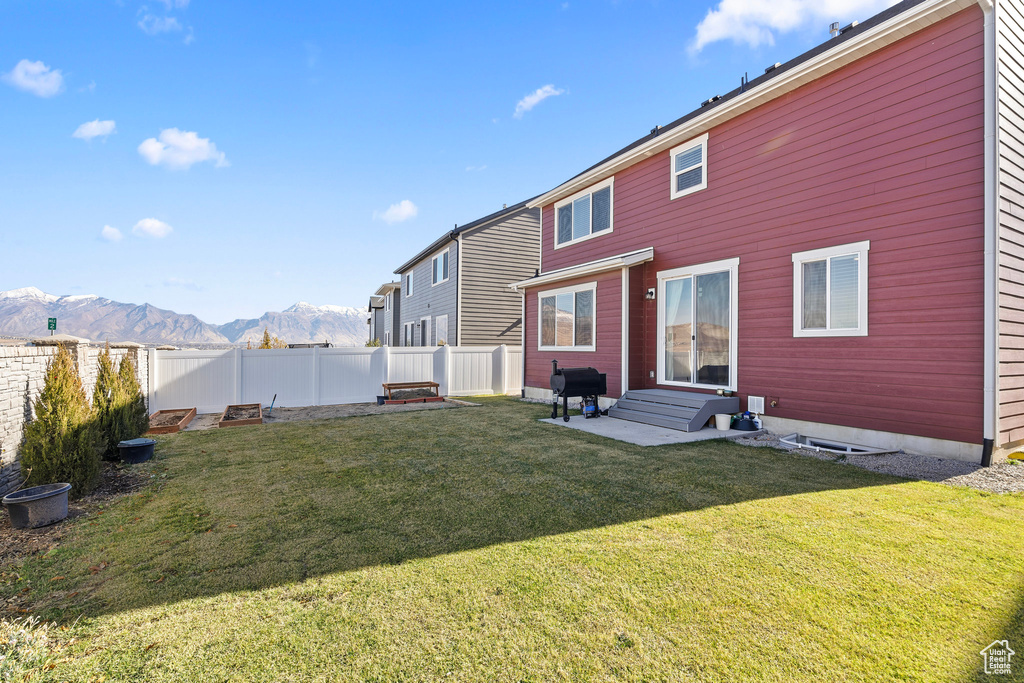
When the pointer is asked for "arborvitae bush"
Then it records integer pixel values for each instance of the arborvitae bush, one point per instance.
(104, 398)
(62, 443)
(133, 417)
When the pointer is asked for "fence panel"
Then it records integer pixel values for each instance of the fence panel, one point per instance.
(412, 364)
(205, 380)
(288, 373)
(514, 371)
(472, 370)
(351, 375)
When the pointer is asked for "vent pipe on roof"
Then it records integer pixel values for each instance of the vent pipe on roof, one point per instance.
(833, 29)
(773, 67)
(710, 100)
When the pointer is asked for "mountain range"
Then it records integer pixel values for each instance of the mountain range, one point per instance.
(24, 313)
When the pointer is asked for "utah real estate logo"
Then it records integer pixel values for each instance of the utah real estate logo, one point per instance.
(997, 657)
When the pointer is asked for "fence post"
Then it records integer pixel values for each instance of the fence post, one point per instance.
(152, 381)
(238, 376)
(447, 369)
(316, 375)
(504, 369)
(387, 363)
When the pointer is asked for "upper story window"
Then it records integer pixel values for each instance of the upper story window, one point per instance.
(387, 301)
(408, 283)
(689, 167)
(567, 318)
(830, 291)
(439, 267)
(584, 215)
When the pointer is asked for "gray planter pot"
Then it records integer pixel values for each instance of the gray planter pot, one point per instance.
(134, 451)
(37, 506)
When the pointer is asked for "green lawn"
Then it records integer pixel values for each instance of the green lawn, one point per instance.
(479, 544)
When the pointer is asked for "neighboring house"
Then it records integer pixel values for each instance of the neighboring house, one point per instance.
(375, 319)
(384, 320)
(730, 249)
(456, 290)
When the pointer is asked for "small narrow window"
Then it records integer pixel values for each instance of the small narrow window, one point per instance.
(408, 283)
(584, 215)
(439, 267)
(830, 291)
(441, 329)
(689, 167)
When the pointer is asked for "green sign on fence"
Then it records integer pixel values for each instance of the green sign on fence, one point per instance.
(51, 324)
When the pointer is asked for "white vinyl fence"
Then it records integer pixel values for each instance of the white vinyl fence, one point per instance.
(211, 380)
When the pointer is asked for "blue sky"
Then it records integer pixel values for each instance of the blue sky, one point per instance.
(226, 158)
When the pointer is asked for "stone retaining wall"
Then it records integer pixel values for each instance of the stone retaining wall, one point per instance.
(22, 369)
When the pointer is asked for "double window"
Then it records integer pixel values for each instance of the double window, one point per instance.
(439, 267)
(584, 215)
(567, 318)
(830, 291)
(689, 167)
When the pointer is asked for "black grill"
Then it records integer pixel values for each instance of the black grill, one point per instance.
(583, 383)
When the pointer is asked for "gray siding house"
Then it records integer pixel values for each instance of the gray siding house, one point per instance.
(456, 290)
(384, 318)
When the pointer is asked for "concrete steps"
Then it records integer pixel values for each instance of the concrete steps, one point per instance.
(687, 411)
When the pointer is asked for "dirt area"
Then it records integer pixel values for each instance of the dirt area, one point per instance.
(116, 480)
(168, 418)
(278, 414)
(244, 412)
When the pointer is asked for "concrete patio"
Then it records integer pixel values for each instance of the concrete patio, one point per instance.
(643, 434)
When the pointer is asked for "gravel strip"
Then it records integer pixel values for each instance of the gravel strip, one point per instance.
(1004, 477)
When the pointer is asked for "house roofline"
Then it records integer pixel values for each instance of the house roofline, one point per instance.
(873, 34)
(451, 235)
(630, 258)
(386, 288)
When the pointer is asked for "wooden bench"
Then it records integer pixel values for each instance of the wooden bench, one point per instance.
(403, 386)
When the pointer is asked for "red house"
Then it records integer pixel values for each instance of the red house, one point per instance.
(842, 236)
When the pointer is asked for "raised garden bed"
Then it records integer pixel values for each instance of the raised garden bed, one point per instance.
(241, 415)
(170, 421)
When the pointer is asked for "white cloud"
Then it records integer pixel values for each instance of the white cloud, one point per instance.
(396, 213)
(179, 149)
(153, 25)
(190, 37)
(172, 4)
(111, 234)
(151, 227)
(36, 78)
(94, 129)
(476, 168)
(755, 22)
(536, 97)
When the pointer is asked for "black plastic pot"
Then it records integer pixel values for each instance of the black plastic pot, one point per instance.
(380, 400)
(134, 451)
(38, 505)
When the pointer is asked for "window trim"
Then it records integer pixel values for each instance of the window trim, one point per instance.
(433, 267)
(571, 289)
(703, 141)
(861, 250)
(607, 182)
(424, 326)
(733, 266)
(437, 326)
(387, 338)
(408, 334)
(387, 302)
(407, 282)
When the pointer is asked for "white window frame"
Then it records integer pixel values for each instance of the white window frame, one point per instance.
(860, 249)
(441, 323)
(433, 268)
(387, 301)
(425, 331)
(703, 142)
(387, 338)
(733, 266)
(608, 182)
(573, 289)
(408, 334)
(407, 283)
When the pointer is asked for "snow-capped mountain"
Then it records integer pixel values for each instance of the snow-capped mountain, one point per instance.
(23, 313)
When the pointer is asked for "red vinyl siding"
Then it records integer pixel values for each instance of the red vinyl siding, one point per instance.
(887, 149)
(607, 356)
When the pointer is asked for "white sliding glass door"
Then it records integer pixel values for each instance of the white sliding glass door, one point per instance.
(697, 325)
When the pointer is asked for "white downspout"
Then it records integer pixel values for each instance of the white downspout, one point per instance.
(991, 355)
